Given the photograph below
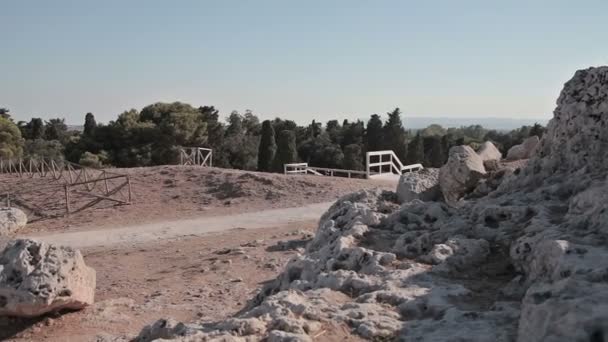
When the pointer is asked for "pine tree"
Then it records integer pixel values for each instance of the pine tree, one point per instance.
(374, 133)
(89, 124)
(268, 147)
(286, 150)
(394, 134)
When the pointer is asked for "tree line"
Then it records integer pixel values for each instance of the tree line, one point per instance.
(153, 136)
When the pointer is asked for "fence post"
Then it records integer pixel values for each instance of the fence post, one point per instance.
(67, 199)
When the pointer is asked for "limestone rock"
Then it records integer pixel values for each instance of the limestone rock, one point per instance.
(422, 185)
(36, 278)
(487, 151)
(11, 220)
(461, 173)
(524, 150)
(526, 262)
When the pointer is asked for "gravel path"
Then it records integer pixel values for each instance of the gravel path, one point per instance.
(191, 227)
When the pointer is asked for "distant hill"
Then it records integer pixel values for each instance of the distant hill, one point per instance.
(416, 122)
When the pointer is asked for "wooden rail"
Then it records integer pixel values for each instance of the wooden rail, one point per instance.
(198, 156)
(72, 187)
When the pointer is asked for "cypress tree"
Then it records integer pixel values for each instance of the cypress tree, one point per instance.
(268, 147)
(89, 124)
(374, 133)
(394, 134)
(286, 150)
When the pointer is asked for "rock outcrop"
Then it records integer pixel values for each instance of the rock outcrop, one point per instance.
(11, 220)
(524, 150)
(36, 278)
(461, 173)
(487, 151)
(422, 185)
(528, 262)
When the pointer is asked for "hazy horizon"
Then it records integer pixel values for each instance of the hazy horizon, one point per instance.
(298, 61)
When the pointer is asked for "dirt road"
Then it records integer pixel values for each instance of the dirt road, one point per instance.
(192, 227)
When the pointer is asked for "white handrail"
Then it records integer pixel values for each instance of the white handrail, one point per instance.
(395, 164)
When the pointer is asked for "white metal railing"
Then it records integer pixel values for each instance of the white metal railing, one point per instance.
(387, 162)
(303, 168)
(199, 156)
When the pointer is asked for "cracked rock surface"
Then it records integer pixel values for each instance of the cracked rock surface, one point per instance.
(526, 262)
(11, 220)
(37, 278)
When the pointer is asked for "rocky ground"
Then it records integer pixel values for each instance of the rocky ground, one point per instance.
(192, 278)
(524, 261)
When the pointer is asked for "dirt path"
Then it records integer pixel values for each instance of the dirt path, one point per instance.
(192, 227)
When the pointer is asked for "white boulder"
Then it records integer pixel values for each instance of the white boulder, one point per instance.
(37, 278)
(487, 151)
(461, 173)
(422, 185)
(524, 150)
(11, 220)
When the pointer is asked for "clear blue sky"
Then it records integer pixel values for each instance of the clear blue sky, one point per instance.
(296, 59)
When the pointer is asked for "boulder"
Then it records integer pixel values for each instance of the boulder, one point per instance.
(422, 185)
(11, 220)
(487, 151)
(37, 278)
(524, 150)
(461, 173)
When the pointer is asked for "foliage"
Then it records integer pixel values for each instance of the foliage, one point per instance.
(89, 124)
(40, 148)
(153, 136)
(11, 142)
(394, 134)
(416, 150)
(268, 147)
(286, 150)
(353, 158)
(374, 136)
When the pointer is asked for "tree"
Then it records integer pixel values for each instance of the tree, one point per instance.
(89, 124)
(353, 133)
(374, 133)
(433, 151)
(4, 113)
(537, 130)
(353, 159)
(11, 142)
(32, 130)
(416, 150)
(56, 129)
(433, 130)
(268, 147)
(394, 134)
(286, 150)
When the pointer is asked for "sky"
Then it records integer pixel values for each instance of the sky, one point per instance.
(299, 60)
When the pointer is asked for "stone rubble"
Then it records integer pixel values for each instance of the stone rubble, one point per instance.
(527, 262)
(11, 220)
(422, 185)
